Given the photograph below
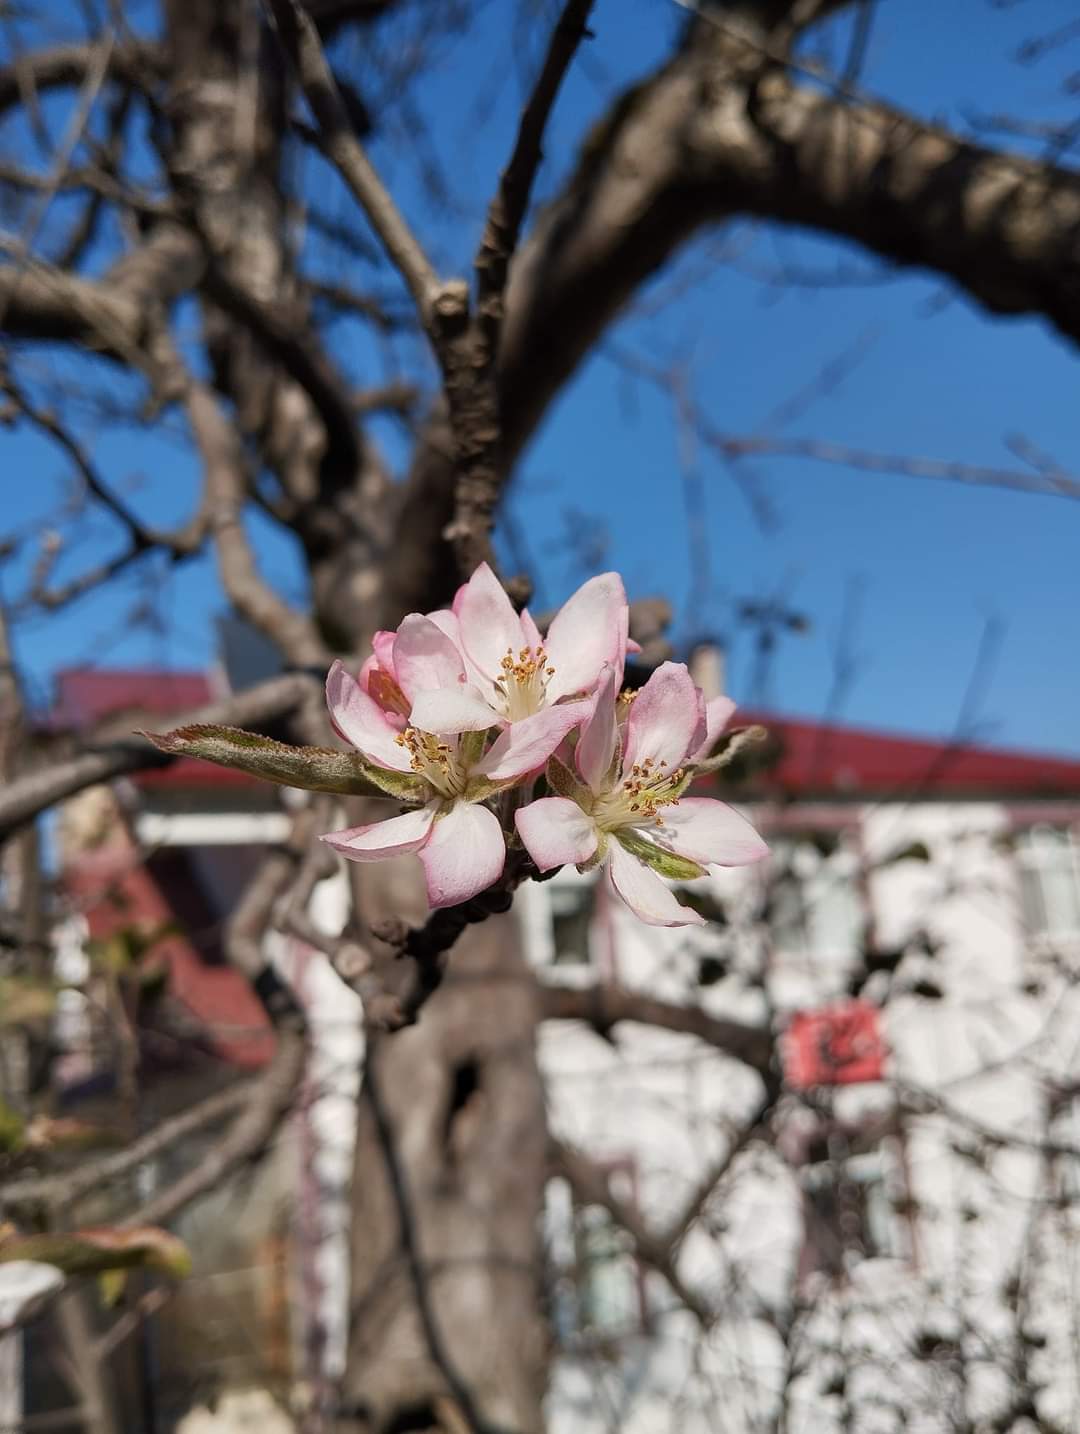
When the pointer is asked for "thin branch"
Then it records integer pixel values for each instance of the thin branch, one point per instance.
(1054, 484)
(605, 1005)
(21, 801)
(300, 40)
(268, 1100)
(592, 1187)
(59, 1192)
(511, 200)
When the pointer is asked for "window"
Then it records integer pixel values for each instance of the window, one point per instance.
(852, 1210)
(815, 903)
(571, 919)
(1049, 860)
(598, 1284)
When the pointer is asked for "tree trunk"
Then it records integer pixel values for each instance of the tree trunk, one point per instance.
(446, 1327)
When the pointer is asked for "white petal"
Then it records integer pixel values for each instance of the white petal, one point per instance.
(556, 832)
(453, 709)
(667, 718)
(464, 855)
(398, 836)
(718, 712)
(596, 745)
(710, 832)
(424, 657)
(526, 745)
(362, 721)
(588, 631)
(645, 894)
(488, 623)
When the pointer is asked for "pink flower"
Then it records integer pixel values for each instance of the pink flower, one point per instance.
(512, 674)
(632, 779)
(459, 840)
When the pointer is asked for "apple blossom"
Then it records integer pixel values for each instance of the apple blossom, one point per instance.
(512, 673)
(458, 839)
(632, 778)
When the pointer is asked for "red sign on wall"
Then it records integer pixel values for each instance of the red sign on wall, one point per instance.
(834, 1045)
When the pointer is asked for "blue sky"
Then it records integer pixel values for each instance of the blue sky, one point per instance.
(932, 562)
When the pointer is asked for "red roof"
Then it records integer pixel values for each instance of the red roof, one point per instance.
(116, 892)
(812, 758)
(818, 759)
(87, 695)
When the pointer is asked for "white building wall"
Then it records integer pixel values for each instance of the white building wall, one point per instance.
(981, 1053)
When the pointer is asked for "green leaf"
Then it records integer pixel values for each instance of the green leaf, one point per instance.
(12, 1127)
(562, 781)
(599, 856)
(92, 1250)
(315, 769)
(663, 862)
(23, 1002)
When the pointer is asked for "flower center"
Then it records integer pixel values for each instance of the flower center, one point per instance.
(434, 759)
(644, 790)
(522, 688)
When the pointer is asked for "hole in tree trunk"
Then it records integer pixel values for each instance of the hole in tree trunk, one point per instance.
(463, 1093)
(417, 1419)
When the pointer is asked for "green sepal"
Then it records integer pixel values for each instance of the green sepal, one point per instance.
(599, 856)
(663, 862)
(480, 789)
(315, 769)
(471, 748)
(562, 781)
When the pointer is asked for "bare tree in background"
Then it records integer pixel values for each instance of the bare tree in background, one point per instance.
(161, 208)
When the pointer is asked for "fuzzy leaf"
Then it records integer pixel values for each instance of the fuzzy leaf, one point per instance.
(315, 769)
(89, 1251)
(663, 862)
(562, 781)
(47, 1132)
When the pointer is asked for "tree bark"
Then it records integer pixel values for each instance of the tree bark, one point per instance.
(446, 1318)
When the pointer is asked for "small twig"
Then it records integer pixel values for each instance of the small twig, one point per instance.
(268, 1100)
(510, 203)
(300, 40)
(21, 800)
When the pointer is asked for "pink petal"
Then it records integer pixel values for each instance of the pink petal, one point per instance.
(667, 718)
(464, 855)
(425, 658)
(710, 832)
(369, 665)
(645, 894)
(453, 709)
(556, 832)
(398, 836)
(383, 646)
(362, 721)
(532, 633)
(596, 745)
(489, 625)
(587, 631)
(718, 712)
(526, 745)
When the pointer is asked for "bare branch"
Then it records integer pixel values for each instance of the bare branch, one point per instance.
(21, 801)
(604, 1006)
(300, 40)
(511, 200)
(592, 1187)
(268, 1100)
